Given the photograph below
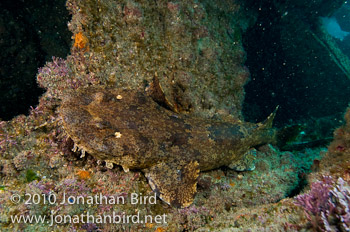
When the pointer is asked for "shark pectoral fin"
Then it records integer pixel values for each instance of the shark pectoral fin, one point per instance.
(246, 163)
(175, 182)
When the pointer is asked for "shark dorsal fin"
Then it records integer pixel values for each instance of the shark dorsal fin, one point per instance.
(155, 91)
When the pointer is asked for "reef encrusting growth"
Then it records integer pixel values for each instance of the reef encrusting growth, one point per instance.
(194, 49)
(327, 203)
(337, 160)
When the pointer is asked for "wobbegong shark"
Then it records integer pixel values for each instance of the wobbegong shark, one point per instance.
(131, 129)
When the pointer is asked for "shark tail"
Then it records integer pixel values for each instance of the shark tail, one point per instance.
(287, 137)
(279, 137)
(267, 123)
(264, 132)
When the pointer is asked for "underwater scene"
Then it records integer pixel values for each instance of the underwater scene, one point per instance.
(174, 116)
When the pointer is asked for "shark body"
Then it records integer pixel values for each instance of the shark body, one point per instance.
(130, 129)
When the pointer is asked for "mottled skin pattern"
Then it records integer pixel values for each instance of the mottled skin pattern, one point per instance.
(128, 128)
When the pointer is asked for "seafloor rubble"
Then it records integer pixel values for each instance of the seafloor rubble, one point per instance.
(194, 49)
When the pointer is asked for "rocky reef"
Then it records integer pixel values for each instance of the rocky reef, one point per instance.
(194, 49)
(188, 45)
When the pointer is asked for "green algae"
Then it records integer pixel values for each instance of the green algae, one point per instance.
(31, 176)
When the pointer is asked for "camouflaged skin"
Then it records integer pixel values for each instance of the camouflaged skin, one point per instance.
(128, 128)
(246, 163)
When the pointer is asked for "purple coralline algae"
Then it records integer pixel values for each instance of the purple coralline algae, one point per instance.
(327, 205)
(195, 50)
